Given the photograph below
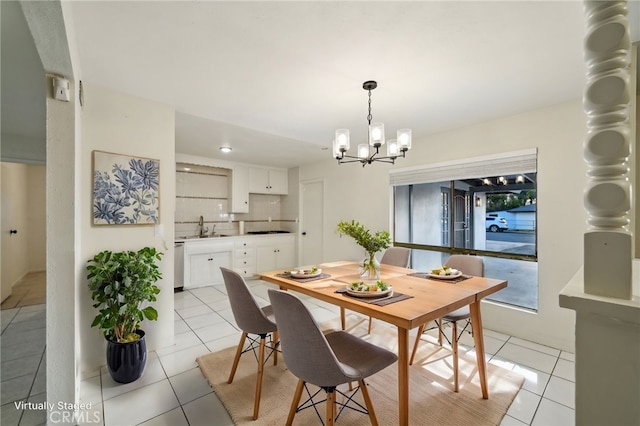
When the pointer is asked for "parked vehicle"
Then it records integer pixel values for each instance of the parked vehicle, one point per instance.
(496, 223)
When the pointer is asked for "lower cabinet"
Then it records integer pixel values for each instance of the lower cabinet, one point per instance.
(203, 262)
(244, 258)
(275, 253)
(247, 255)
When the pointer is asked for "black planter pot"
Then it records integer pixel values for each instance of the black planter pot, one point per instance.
(126, 361)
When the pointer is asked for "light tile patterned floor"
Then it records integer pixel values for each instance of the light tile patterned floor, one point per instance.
(173, 392)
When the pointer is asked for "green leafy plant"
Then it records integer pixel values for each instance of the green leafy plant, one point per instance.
(120, 284)
(371, 243)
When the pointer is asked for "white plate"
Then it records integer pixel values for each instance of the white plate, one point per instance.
(370, 294)
(295, 274)
(445, 277)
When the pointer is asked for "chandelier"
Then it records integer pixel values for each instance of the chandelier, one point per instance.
(368, 153)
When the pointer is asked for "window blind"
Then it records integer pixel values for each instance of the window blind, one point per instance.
(515, 162)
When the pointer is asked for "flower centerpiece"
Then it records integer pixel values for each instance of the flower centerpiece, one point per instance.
(370, 267)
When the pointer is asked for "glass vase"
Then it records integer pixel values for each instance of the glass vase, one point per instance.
(370, 268)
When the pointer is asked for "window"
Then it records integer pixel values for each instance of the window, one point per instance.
(486, 207)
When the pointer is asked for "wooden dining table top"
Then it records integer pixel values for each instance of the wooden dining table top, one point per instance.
(431, 298)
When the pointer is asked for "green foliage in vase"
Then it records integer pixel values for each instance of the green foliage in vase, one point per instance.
(372, 243)
(120, 284)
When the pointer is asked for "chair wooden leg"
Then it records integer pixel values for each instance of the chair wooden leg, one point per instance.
(440, 331)
(370, 322)
(330, 411)
(454, 346)
(295, 402)
(415, 345)
(237, 358)
(367, 403)
(274, 346)
(256, 402)
(342, 319)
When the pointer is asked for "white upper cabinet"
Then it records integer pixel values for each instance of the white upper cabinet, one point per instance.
(240, 189)
(268, 181)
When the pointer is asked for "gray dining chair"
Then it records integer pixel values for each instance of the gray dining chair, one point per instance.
(468, 265)
(394, 256)
(325, 360)
(252, 320)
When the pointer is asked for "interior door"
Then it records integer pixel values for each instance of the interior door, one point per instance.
(311, 227)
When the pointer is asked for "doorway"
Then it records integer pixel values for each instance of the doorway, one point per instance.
(312, 225)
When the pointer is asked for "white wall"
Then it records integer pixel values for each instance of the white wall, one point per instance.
(37, 217)
(353, 192)
(124, 124)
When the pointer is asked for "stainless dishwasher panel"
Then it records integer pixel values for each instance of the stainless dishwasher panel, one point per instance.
(178, 267)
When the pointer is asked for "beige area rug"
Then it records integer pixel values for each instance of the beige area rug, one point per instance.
(432, 400)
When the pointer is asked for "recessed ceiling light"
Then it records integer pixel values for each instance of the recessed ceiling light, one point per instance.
(225, 149)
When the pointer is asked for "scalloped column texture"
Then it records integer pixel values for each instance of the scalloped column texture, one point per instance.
(607, 197)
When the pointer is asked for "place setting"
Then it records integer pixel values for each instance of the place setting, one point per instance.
(444, 273)
(305, 274)
(372, 292)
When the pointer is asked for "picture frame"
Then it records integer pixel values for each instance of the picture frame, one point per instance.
(125, 190)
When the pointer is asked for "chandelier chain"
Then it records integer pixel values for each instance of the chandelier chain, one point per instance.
(369, 117)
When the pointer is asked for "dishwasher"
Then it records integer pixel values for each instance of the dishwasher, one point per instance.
(178, 266)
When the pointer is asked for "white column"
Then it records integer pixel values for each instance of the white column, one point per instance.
(607, 198)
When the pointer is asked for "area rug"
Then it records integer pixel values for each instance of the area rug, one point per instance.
(432, 400)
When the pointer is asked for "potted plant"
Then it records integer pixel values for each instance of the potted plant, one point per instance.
(121, 283)
(370, 267)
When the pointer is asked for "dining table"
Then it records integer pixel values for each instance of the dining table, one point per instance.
(424, 298)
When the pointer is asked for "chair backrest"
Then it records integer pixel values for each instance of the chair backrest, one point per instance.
(396, 256)
(304, 347)
(467, 264)
(246, 311)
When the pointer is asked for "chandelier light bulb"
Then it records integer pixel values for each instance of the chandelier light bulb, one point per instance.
(392, 148)
(363, 151)
(342, 138)
(376, 134)
(404, 139)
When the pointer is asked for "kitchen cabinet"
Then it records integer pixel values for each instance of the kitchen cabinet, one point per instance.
(240, 189)
(268, 181)
(248, 255)
(244, 257)
(275, 252)
(203, 259)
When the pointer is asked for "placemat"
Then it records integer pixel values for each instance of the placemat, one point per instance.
(426, 276)
(288, 276)
(383, 301)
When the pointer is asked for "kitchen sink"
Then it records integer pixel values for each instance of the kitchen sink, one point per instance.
(196, 237)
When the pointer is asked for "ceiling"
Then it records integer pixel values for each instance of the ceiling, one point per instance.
(273, 80)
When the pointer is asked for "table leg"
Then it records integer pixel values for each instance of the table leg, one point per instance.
(403, 376)
(478, 338)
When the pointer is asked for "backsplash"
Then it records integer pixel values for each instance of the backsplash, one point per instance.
(205, 191)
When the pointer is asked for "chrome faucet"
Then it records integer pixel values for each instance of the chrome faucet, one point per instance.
(201, 231)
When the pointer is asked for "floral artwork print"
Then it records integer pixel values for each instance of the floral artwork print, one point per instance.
(125, 189)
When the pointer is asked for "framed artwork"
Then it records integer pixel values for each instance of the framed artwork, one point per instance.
(126, 189)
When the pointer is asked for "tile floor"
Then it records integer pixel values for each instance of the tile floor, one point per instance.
(173, 392)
